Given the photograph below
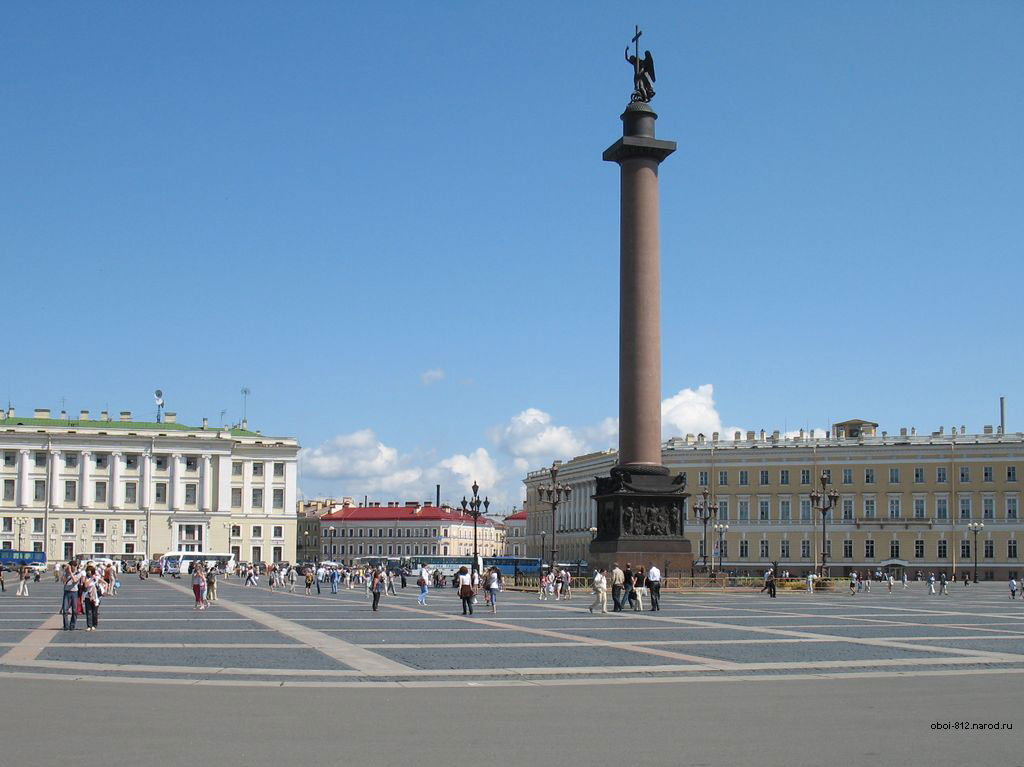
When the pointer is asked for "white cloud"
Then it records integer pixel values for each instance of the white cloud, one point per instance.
(463, 470)
(431, 376)
(693, 411)
(532, 435)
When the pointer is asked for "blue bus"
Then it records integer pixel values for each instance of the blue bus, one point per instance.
(449, 565)
(15, 560)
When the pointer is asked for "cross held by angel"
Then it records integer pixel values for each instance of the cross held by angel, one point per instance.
(643, 71)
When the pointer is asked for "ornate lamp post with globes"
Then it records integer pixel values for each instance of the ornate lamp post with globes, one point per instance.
(472, 507)
(554, 494)
(705, 512)
(721, 528)
(817, 501)
(975, 527)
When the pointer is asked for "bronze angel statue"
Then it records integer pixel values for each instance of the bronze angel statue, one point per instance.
(643, 76)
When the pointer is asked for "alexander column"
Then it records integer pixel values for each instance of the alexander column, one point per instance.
(641, 509)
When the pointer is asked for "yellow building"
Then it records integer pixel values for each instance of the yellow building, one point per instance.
(905, 501)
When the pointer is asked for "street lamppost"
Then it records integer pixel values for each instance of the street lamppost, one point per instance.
(543, 538)
(721, 528)
(305, 545)
(20, 522)
(554, 494)
(975, 527)
(334, 544)
(705, 512)
(817, 499)
(472, 507)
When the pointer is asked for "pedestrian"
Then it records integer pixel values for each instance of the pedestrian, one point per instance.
(335, 580)
(600, 589)
(566, 585)
(810, 583)
(767, 573)
(853, 583)
(654, 585)
(639, 590)
(892, 582)
(943, 584)
(25, 576)
(966, 581)
(3, 586)
(91, 598)
(70, 594)
(390, 579)
(404, 573)
(627, 587)
(931, 583)
(199, 586)
(211, 584)
(309, 582)
(422, 581)
(771, 584)
(904, 580)
(291, 576)
(319, 577)
(494, 585)
(1013, 587)
(377, 586)
(618, 577)
(464, 582)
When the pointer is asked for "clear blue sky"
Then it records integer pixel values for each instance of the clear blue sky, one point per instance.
(323, 201)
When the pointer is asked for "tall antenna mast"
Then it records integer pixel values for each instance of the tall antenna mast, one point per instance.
(246, 391)
(158, 397)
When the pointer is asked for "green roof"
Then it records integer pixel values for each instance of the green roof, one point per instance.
(120, 425)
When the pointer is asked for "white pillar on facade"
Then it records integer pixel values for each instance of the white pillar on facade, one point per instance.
(54, 479)
(146, 481)
(175, 498)
(291, 486)
(223, 483)
(24, 498)
(116, 490)
(84, 459)
(206, 484)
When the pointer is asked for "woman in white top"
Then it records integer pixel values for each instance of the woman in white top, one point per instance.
(423, 581)
(465, 584)
(494, 586)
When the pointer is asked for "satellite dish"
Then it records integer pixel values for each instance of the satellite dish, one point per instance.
(158, 395)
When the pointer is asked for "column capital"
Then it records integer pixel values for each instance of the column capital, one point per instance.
(207, 457)
(116, 454)
(85, 453)
(24, 451)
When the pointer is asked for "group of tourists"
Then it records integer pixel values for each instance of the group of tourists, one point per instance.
(556, 583)
(83, 590)
(204, 584)
(469, 583)
(629, 587)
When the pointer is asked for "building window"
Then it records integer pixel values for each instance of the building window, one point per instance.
(965, 507)
(827, 474)
(965, 549)
(847, 476)
(940, 474)
(744, 477)
(9, 458)
(8, 489)
(894, 476)
(869, 476)
(236, 468)
(130, 492)
(847, 549)
(986, 474)
(70, 491)
(279, 469)
(941, 508)
(70, 460)
(942, 550)
(869, 508)
(236, 497)
(1011, 473)
(99, 547)
(965, 474)
(894, 549)
(278, 531)
(69, 526)
(98, 527)
(764, 549)
(161, 462)
(988, 508)
(869, 549)
(257, 497)
(847, 508)
(101, 492)
(723, 478)
(919, 510)
(236, 531)
(764, 477)
(191, 463)
(785, 509)
(129, 527)
(744, 509)
(129, 548)
(805, 476)
(784, 548)
(101, 461)
(805, 510)
(190, 494)
(160, 493)
(743, 550)
(40, 459)
(1011, 508)
(702, 479)
(723, 509)
(278, 498)
(763, 510)
(257, 468)
(990, 549)
(894, 508)
(918, 475)
(257, 531)
(784, 477)
(1011, 549)
(805, 549)
(37, 525)
(131, 462)
(918, 549)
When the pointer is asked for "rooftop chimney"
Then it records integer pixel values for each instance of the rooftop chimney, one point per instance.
(963, 429)
(83, 415)
(126, 415)
(988, 428)
(903, 431)
(1002, 415)
(206, 423)
(104, 415)
(775, 435)
(42, 412)
(170, 417)
(801, 434)
(245, 425)
(10, 412)
(736, 436)
(714, 436)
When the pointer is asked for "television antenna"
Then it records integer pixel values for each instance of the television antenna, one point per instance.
(158, 397)
(246, 391)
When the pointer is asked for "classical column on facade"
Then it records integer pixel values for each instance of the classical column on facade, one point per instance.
(54, 479)
(146, 482)
(85, 472)
(116, 490)
(24, 496)
(206, 484)
(175, 497)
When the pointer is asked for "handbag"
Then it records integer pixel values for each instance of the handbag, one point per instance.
(465, 591)
(421, 582)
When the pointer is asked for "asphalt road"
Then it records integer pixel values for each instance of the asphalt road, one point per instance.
(766, 722)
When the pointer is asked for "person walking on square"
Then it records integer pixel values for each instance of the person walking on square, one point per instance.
(853, 583)
(91, 599)
(335, 579)
(627, 586)
(494, 585)
(291, 577)
(423, 582)
(1013, 587)
(867, 583)
(892, 581)
(464, 581)
(931, 583)
(654, 584)
(543, 593)
(943, 584)
(618, 577)
(68, 606)
(25, 575)
(390, 576)
(810, 583)
(377, 587)
(600, 588)
(904, 580)
(771, 585)
(211, 584)
(638, 589)
(309, 582)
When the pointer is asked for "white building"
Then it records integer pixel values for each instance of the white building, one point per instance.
(124, 487)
